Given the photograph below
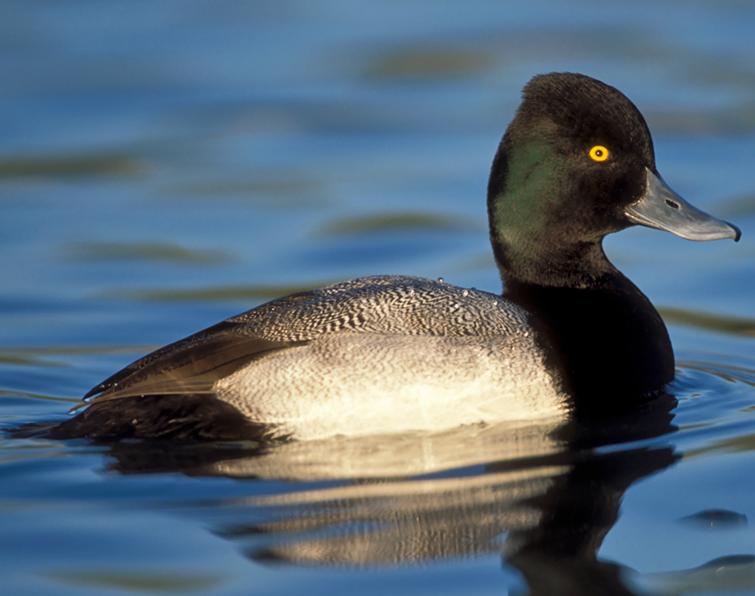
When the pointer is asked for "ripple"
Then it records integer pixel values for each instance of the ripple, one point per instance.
(715, 519)
(731, 573)
(71, 164)
(737, 119)
(137, 581)
(210, 294)
(437, 61)
(728, 324)
(284, 191)
(741, 205)
(145, 251)
(390, 222)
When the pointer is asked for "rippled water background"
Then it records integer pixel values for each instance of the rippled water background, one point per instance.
(165, 165)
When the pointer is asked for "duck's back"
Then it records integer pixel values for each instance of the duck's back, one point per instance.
(386, 305)
(371, 355)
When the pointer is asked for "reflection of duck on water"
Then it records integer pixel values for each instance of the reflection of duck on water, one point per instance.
(539, 494)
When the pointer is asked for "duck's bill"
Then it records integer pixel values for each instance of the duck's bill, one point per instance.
(663, 209)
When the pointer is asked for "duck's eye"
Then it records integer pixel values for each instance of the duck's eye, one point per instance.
(599, 153)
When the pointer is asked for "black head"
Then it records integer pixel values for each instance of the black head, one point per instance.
(573, 165)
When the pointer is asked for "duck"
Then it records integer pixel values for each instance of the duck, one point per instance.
(569, 333)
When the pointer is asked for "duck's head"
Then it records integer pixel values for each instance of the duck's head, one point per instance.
(575, 164)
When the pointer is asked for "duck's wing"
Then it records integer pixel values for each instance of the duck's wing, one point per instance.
(384, 305)
(189, 366)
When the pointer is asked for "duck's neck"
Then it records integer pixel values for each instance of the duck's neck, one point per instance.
(604, 336)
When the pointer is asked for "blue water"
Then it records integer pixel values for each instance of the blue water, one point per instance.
(165, 165)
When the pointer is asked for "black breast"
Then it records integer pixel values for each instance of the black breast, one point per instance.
(609, 343)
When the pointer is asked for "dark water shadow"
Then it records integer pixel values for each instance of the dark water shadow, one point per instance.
(731, 325)
(398, 221)
(542, 495)
(146, 252)
(84, 165)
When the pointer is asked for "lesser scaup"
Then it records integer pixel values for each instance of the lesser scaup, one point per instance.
(394, 353)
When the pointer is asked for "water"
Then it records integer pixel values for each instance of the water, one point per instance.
(163, 166)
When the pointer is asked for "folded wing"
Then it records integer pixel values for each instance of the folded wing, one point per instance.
(189, 366)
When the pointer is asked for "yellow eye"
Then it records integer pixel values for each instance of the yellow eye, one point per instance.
(599, 153)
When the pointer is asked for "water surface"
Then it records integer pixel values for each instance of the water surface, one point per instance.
(163, 166)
